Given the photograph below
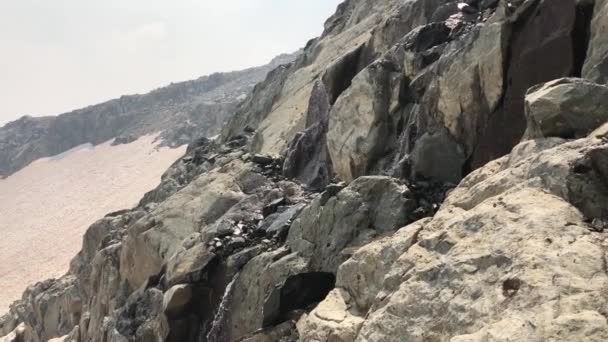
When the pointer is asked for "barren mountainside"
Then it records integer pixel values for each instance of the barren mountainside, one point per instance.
(181, 111)
(425, 170)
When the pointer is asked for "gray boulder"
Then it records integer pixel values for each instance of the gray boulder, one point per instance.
(566, 108)
(176, 298)
(368, 207)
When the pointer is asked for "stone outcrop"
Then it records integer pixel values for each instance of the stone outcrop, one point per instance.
(375, 190)
(21, 333)
(513, 253)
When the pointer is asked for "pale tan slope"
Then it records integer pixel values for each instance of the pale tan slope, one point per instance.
(46, 207)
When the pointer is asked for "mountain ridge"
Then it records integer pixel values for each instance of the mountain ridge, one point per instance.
(182, 111)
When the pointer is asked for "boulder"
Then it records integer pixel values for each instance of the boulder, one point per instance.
(176, 299)
(279, 223)
(188, 265)
(567, 108)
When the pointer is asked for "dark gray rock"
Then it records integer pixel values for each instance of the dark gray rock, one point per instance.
(307, 158)
(236, 243)
(279, 223)
(437, 156)
(262, 159)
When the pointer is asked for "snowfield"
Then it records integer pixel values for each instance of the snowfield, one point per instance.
(46, 207)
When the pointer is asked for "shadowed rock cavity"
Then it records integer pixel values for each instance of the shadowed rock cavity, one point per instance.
(187, 319)
(338, 76)
(581, 35)
(299, 292)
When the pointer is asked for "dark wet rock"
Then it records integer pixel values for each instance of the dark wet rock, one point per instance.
(334, 188)
(485, 4)
(279, 223)
(241, 258)
(297, 292)
(467, 8)
(307, 158)
(221, 227)
(273, 206)
(444, 11)
(262, 159)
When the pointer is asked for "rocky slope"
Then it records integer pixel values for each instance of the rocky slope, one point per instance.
(181, 111)
(426, 170)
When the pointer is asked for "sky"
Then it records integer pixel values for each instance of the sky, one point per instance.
(60, 55)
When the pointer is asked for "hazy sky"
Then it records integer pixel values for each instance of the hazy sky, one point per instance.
(59, 55)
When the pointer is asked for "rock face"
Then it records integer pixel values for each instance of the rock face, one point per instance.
(182, 111)
(527, 280)
(596, 65)
(375, 190)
